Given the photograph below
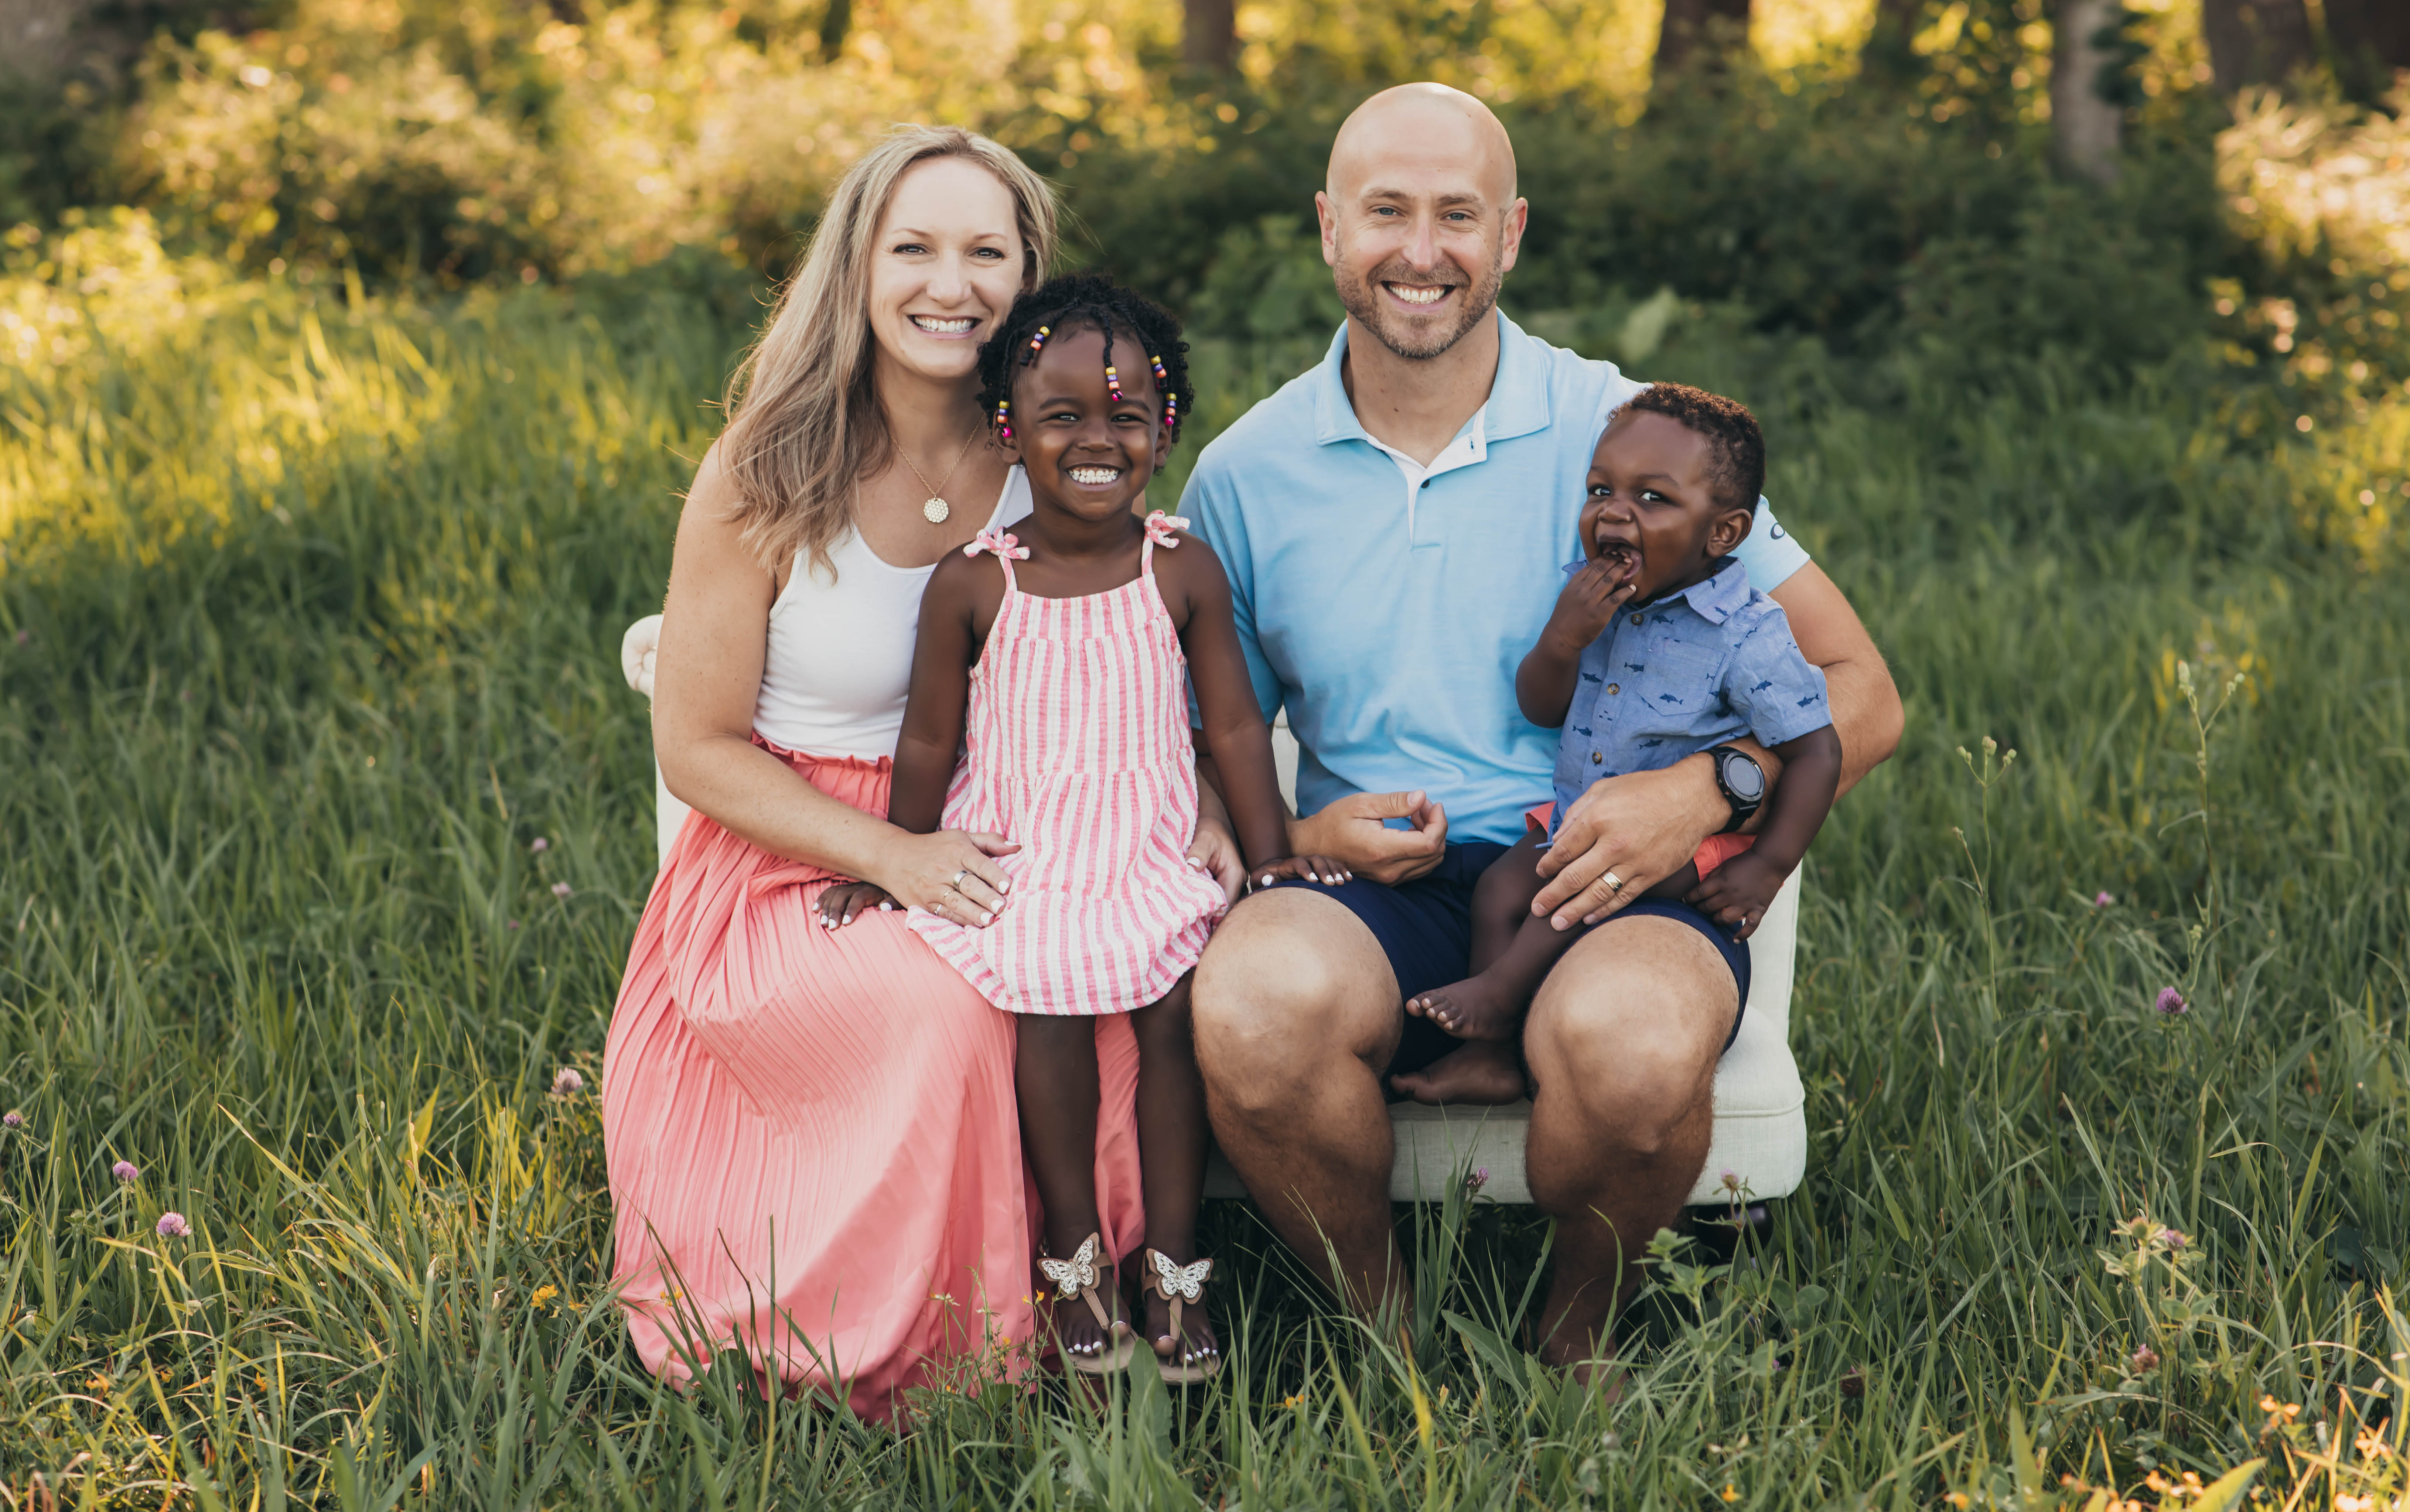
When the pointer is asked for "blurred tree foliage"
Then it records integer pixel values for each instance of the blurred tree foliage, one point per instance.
(1879, 179)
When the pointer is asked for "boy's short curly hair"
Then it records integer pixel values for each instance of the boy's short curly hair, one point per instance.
(1736, 447)
(1086, 300)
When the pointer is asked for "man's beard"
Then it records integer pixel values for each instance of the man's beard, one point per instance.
(1361, 298)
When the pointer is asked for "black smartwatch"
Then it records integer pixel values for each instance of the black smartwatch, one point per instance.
(1742, 781)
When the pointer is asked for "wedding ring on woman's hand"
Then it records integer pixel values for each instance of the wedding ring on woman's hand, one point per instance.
(957, 883)
(1614, 882)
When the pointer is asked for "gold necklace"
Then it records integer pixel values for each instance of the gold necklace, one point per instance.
(934, 509)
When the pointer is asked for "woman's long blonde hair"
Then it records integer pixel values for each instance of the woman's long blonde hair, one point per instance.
(804, 422)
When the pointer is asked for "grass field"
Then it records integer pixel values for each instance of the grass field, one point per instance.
(325, 823)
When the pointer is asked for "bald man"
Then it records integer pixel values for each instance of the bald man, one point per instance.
(1393, 522)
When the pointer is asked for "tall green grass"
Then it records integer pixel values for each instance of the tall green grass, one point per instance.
(308, 623)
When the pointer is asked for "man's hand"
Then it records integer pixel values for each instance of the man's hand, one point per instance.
(1639, 828)
(1351, 832)
(1739, 892)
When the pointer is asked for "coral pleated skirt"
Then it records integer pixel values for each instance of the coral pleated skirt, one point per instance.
(814, 1150)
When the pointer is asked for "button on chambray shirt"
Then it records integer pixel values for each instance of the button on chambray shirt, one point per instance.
(1673, 678)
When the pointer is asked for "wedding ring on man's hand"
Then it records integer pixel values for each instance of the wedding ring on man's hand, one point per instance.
(1614, 882)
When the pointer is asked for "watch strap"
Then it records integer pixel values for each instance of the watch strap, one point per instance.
(1741, 808)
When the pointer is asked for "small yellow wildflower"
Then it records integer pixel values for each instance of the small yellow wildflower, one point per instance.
(1959, 1500)
(1730, 1494)
(544, 1295)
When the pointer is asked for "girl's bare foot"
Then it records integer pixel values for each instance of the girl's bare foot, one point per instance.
(1091, 1328)
(1196, 1342)
(1483, 1071)
(1475, 1008)
(1077, 1332)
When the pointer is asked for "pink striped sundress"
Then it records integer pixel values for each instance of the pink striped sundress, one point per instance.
(1079, 749)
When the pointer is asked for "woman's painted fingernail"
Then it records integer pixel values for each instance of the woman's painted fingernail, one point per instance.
(887, 908)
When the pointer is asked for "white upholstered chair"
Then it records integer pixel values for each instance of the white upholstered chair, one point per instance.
(1760, 1138)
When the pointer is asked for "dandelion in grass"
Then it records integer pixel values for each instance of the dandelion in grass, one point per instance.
(2171, 1003)
(172, 1226)
(539, 845)
(567, 1082)
(560, 889)
(126, 1171)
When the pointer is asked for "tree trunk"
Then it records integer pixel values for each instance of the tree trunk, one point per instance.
(1209, 37)
(2372, 39)
(2259, 41)
(835, 22)
(2086, 121)
(1890, 54)
(1697, 33)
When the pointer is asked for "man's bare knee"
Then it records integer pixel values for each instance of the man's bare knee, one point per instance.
(1285, 988)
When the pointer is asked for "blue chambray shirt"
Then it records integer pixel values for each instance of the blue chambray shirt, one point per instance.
(1386, 608)
(1673, 678)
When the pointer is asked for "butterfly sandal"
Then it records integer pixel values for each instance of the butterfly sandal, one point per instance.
(1078, 1277)
(1180, 1285)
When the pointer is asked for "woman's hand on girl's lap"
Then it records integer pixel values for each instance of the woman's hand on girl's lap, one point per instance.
(953, 873)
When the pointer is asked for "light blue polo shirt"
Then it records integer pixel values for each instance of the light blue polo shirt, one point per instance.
(1387, 606)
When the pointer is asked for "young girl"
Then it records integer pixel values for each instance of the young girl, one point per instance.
(1056, 658)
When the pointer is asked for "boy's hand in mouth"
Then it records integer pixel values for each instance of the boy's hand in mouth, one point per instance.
(1591, 594)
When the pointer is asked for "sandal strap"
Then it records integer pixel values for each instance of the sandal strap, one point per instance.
(1077, 1275)
(1170, 1282)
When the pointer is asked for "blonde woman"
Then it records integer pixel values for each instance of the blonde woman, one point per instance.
(813, 1145)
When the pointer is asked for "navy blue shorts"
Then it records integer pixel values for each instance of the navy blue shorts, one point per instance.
(1424, 928)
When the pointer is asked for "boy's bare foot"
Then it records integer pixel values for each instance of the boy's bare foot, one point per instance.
(1472, 1009)
(1483, 1071)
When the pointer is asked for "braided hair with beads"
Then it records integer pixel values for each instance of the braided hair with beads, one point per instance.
(1085, 301)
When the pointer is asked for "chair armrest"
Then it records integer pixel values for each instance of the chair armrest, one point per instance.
(636, 649)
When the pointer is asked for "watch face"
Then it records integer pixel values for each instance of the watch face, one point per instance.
(1742, 777)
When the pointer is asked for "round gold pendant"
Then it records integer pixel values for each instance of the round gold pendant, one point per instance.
(935, 511)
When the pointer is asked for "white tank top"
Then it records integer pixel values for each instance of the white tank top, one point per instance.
(839, 659)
